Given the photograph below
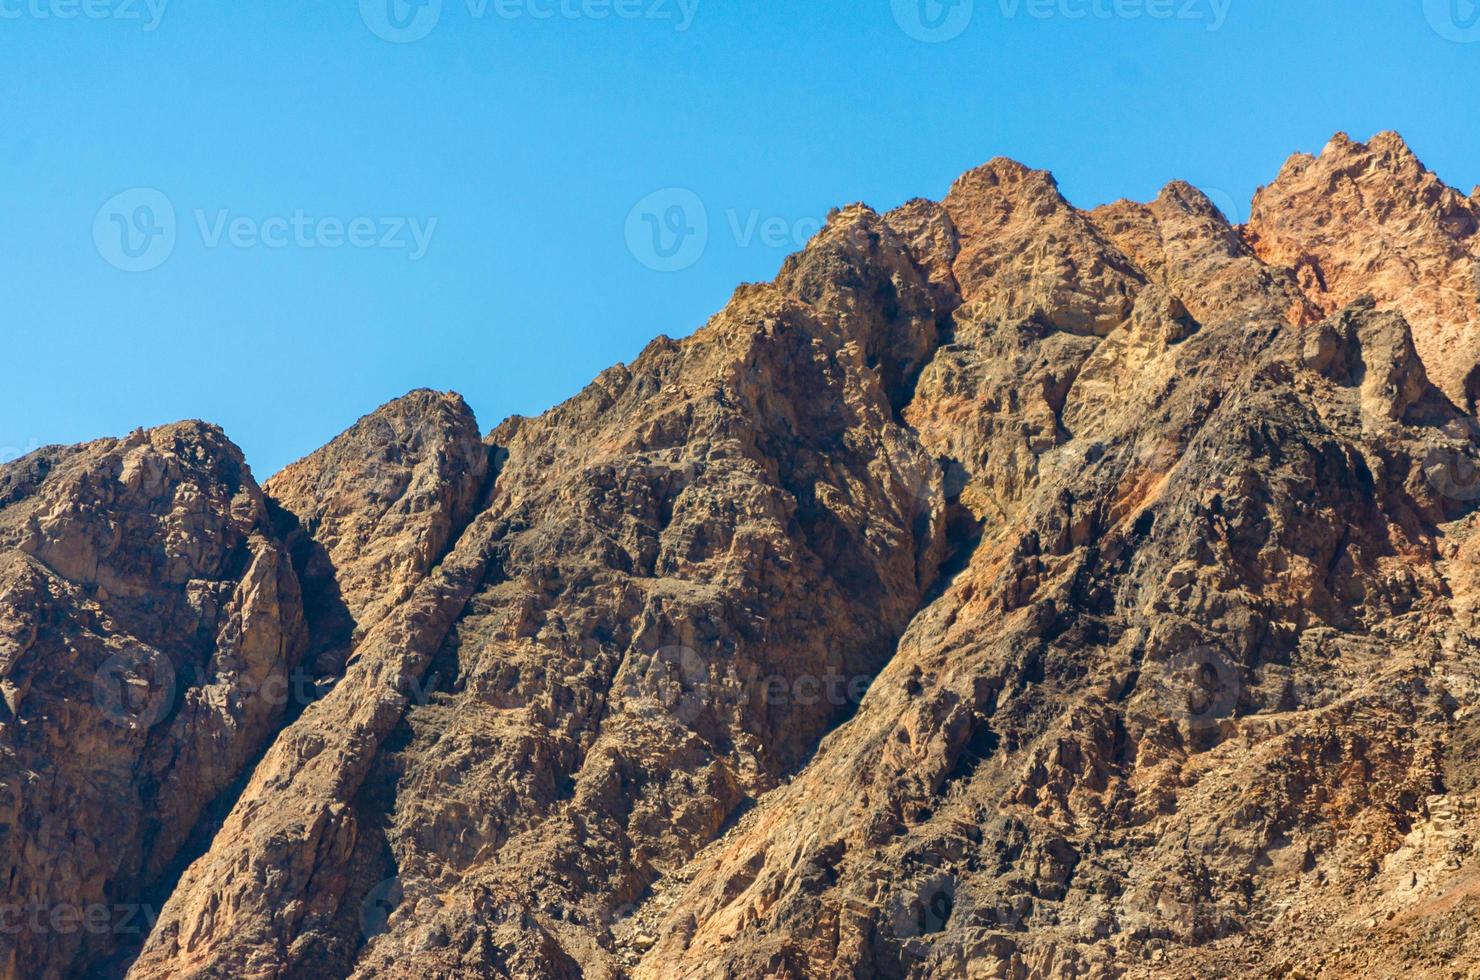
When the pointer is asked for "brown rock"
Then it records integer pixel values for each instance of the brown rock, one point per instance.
(1028, 254)
(148, 625)
(368, 515)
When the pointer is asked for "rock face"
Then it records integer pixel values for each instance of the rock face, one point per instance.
(1370, 220)
(370, 514)
(148, 624)
(1004, 590)
(367, 517)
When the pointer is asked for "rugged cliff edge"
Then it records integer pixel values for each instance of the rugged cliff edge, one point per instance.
(1005, 590)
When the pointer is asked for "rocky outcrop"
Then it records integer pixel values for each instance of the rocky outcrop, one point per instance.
(370, 514)
(663, 562)
(1003, 590)
(1116, 745)
(369, 519)
(1370, 219)
(1027, 254)
(149, 622)
(1089, 748)
(1185, 245)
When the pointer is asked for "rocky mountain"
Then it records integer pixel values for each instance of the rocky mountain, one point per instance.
(1004, 590)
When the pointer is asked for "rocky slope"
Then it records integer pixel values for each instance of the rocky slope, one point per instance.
(1005, 590)
(149, 622)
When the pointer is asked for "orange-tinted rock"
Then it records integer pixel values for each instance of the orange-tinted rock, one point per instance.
(1370, 219)
(368, 515)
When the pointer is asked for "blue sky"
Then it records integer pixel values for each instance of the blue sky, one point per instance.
(320, 219)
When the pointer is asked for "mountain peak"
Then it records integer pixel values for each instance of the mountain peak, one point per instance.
(1190, 198)
(1370, 218)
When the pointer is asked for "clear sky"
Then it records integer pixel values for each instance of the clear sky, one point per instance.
(507, 196)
